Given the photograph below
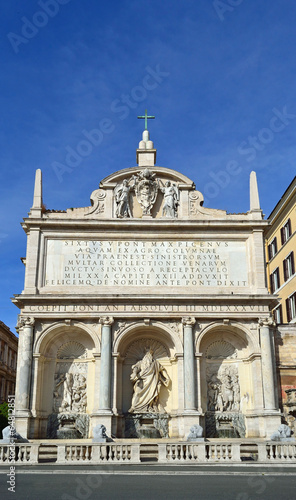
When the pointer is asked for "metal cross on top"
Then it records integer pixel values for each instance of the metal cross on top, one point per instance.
(146, 117)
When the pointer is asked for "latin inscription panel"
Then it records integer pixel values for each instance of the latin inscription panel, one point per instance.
(146, 263)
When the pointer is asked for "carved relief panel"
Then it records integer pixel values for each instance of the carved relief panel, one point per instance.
(70, 379)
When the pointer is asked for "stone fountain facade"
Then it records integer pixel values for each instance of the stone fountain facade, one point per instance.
(145, 267)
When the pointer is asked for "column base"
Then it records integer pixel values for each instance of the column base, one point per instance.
(190, 418)
(262, 423)
(22, 425)
(103, 417)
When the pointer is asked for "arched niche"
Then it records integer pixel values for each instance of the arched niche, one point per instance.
(228, 356)
(131, 346)
(65, 353)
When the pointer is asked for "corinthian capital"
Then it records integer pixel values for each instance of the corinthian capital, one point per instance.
(24, 321)
(107, 320)
(266, 322)
(188, 321)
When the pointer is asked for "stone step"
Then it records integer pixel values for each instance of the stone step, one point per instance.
(47, 453)
(149, 452)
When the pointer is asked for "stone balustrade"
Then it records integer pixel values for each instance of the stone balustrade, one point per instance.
(20, 454)
(167, 452)
(276, 452)
(99, 453)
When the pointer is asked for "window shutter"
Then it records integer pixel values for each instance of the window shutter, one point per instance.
(283, 235)
(275, 245)
(289, 227)
(288, 307)
(271, 283)
(278, 277)
(281, 313)
(292, 262)
(286, 270)
(269, 252)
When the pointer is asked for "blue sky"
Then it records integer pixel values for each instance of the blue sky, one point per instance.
(218, 76)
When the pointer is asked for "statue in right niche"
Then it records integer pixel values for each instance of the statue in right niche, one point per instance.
(171, 200)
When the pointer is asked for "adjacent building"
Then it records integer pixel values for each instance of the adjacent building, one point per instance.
(8, 358)
(281, 260)
(281, 255)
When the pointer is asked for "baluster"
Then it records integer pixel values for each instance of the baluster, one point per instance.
(103, 449)
(272, 452)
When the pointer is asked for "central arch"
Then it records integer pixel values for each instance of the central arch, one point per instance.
(130, 347)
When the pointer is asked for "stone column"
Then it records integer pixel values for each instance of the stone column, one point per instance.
(267, 356)
(105, 373)
(189, 372)
(24, 364)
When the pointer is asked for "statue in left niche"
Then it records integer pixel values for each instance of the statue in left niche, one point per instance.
(122, 198)
(70, 390)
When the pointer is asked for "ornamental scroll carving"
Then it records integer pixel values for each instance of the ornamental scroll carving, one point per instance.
(24, 321)
(266, 322)
(196, 200)
(97, 198)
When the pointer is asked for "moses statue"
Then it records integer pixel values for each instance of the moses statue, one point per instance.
(148, 375)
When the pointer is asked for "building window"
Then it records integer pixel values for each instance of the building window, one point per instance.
(272, 248)
(289, 268)
(278, 314)
(275, 280)
(286, 231)
(291, 307)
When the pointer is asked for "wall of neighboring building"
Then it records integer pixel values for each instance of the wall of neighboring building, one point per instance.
(8, 358)
(281, 255)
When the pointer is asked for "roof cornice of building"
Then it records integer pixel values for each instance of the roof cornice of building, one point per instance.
(283, 200)
(7, 329)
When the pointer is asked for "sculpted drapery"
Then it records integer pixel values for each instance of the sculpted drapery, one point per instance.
(147, 375)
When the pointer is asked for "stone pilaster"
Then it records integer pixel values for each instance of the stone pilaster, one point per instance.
(105, 373)
(267, 356)
(189, 372)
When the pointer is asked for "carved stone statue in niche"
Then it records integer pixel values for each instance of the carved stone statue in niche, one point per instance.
(122, 193)
(224, 391)
(171, 200)
(146, 188)
(148, 375)
(70, 388)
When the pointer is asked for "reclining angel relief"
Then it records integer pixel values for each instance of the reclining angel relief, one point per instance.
(148, 375)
